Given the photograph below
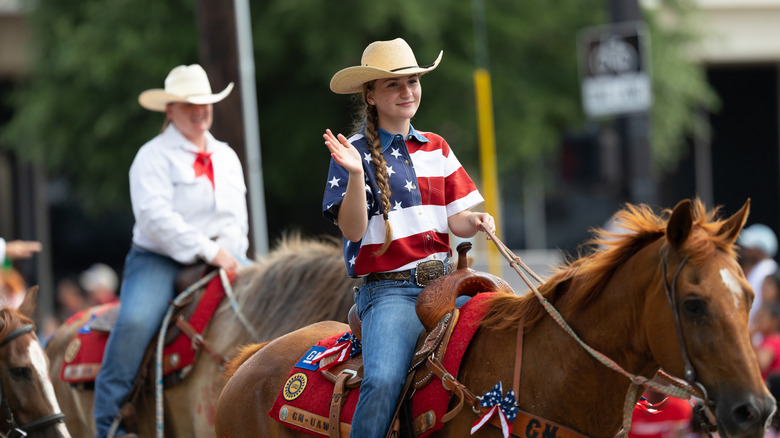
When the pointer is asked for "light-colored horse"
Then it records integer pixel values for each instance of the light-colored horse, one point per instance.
(25, 387)
(616, 301)
(301, 281)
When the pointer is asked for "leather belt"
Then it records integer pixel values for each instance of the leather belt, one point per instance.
(396, 275)
(424, 273)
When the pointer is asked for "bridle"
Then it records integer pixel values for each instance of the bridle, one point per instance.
(17, 430)
(689, 372)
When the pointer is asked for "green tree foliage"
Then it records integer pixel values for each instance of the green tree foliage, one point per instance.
(680, 87)
(78, 111)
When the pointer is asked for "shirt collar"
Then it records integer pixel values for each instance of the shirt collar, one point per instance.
(386, 138)
(178, 139)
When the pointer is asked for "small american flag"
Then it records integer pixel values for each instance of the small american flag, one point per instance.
(346, 346)
(503, 406)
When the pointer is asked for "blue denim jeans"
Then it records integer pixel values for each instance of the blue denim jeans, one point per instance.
(147, 288)
(390, 329)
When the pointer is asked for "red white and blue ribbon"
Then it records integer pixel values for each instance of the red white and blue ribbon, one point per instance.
(346, 346)
(645, 405)
(502, 406)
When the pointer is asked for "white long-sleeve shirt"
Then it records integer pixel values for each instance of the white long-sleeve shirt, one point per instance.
(178, 214)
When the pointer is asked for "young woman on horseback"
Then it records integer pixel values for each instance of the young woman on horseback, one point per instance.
(395, 193)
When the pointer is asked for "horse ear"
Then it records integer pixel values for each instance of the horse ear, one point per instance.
(733, 225)
(680, 224)
(28, 304)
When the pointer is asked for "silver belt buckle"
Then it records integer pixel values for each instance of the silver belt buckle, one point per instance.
(428, 271)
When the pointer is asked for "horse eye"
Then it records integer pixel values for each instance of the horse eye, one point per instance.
(21, 373)
(695, 307)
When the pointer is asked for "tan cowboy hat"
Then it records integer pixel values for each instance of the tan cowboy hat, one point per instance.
(185, 83)
(381, 59)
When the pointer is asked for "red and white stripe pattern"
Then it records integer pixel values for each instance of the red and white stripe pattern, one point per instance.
(428, 185)
(345, 347)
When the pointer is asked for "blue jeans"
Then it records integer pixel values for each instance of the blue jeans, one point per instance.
(390, 329)
(147, 288)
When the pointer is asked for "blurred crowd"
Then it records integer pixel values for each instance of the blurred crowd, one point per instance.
(96, 285)
(758, 246)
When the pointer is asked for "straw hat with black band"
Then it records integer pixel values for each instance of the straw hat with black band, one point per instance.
(381, 59)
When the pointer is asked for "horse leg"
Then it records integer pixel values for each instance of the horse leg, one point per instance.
(242, 409)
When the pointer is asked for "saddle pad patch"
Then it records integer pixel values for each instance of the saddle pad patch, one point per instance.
(294, 386)
(85, 352)
(312, 398)
(305, 361)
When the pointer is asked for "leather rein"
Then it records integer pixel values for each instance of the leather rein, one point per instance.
(17, 430)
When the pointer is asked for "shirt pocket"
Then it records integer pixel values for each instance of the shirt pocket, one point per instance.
(191, 196)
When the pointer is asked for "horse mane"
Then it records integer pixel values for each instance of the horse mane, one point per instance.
(11, 319)
(307, 273)
(243, 354)
(637, 226)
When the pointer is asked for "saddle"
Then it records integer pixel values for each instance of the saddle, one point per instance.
(436, 309)
(83, 357)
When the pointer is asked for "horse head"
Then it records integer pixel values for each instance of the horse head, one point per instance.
(710, 300)
(29, 407)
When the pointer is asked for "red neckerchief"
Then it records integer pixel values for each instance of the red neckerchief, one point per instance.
(204, 166)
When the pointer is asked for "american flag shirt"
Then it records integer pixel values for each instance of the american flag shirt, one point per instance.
(427, 184)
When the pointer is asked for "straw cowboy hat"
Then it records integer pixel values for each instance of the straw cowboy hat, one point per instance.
(381, 59)
(185, 83)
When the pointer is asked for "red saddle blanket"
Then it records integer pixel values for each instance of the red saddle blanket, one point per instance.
(303, 403)
(84, 355)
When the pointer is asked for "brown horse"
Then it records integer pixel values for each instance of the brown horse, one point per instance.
(29, 406)
(301, 281)
(615, 300)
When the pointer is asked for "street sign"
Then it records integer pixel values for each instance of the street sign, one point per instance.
(614, 69)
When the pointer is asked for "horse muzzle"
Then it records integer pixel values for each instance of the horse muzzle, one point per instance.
(744, 416)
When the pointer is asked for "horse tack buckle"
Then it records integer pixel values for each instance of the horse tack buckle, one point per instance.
(428, 271)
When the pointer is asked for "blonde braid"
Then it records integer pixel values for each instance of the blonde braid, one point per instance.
(380, 169)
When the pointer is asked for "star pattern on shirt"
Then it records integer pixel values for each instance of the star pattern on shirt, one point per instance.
(409, 186)
(334, 182)
(352, 261)
(397, 205)
(390, 171)
(367, 157)
(396, 154)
